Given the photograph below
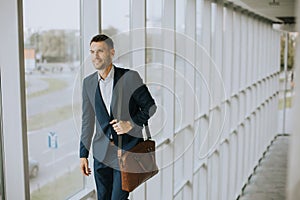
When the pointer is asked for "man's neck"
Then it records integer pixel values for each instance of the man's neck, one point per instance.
(104, 73)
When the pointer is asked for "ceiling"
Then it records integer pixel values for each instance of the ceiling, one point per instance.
(279, 11)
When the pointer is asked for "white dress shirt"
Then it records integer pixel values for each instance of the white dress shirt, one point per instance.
(106, 87)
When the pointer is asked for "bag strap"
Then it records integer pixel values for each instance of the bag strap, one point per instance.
(147, 131)
(120, 92)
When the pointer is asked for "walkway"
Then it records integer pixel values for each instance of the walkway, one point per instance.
(269, 178)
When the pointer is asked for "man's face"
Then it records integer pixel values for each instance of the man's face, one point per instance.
(101, 55)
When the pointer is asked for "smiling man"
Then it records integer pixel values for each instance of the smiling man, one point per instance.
(116, 102)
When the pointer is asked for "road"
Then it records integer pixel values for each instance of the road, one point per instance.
(47, 102)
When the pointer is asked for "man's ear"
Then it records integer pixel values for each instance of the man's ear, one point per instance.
(112, 52)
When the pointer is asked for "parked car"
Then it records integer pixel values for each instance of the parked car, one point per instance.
(33, 168)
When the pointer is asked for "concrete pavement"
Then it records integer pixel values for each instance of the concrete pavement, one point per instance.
(268, 182)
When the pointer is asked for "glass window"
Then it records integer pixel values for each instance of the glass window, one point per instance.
(154, 63)
(180, 92)
(52, 65)
(180, 64)
(115, 23)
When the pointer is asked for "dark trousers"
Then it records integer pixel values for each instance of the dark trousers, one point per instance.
(108, 181)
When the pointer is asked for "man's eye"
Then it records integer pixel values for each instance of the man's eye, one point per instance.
(97, 51)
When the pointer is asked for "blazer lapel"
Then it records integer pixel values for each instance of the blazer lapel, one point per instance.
(100, 109)
(116, 87)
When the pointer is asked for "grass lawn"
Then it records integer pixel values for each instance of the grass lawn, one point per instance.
(61, 188)
(54, 85)
(52, 117)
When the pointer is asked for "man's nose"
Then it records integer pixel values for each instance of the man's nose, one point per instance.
(97, 55)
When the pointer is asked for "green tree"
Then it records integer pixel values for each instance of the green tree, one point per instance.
(291, 51)
(56, 45)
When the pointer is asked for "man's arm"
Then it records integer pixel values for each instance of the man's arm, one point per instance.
(144, 100)
(88, 123)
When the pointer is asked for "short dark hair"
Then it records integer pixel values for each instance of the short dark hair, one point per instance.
(103, 38)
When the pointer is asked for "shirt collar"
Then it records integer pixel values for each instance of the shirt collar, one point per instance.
(110, 75)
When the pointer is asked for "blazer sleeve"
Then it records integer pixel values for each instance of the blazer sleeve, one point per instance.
(144, 101)
(88, 123)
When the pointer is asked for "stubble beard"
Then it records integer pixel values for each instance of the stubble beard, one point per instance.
(102, 65)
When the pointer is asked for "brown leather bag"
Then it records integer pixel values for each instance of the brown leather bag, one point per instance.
(138, 164)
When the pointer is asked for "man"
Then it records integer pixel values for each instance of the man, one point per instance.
(116, 102)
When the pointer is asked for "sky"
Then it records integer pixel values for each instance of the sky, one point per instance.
(51, 14)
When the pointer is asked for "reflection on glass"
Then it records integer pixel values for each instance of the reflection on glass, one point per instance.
(180, 63)
(198, 77)
(52, 59)
(154, 64)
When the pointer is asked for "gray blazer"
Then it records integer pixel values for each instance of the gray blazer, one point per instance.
(136, 106)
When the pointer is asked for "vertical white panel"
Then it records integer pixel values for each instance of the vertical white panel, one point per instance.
(258, 134)
(252, 142)
(260, 50)
(236, 52)
(205, 68)
(250, 51)
(255, 138)
(240, 157)
(90, 26)
(255, 50)
(244, 52)
(154, 184)
(179, 153)
(226, 120)
(247, 152)
(242, 100)
(198, 77)
(181, 65)
(232, 166)
(13, 101)
(137, 35)
(224, 171)
(203, 146)
(234, 113)
(216, 82)
(227, 50)
(213, 176)
(219, 54)
(159, 86)
(190, 32)
(203, 186)
(215, 129)
(168, 25)
(196, 186)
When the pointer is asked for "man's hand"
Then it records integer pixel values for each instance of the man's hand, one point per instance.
(121, 127)
(84, 166)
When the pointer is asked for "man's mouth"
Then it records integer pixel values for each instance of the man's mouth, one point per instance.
(97, 61)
